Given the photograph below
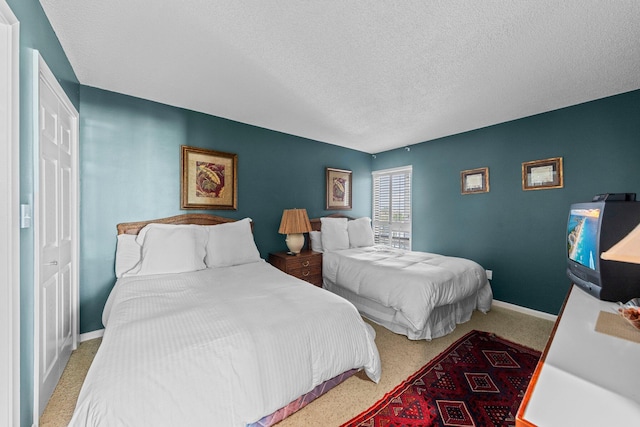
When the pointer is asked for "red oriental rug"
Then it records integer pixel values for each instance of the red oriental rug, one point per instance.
(480, 380)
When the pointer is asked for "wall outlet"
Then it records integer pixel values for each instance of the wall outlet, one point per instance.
(489, 274)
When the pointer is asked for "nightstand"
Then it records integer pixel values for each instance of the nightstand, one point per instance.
(307, 265)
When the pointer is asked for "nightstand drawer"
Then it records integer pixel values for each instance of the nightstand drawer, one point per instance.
(304, 262)
(304, 272)
(314, 279)
(306, 266)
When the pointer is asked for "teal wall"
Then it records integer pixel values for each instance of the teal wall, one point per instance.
(35, 34)
(129, 163)
(130, 171)
(520, 234)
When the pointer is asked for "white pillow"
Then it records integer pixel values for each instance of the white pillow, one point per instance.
(360, 233)
(128, 253)
(142, 234)
(334, 234)
(171, 249)
(231, 244)
(316, 241)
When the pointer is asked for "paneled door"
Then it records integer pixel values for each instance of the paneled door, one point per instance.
(56, 235)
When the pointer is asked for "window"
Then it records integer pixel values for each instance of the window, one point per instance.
(392, 207)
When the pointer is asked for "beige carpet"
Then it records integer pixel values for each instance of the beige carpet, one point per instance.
(400, 358)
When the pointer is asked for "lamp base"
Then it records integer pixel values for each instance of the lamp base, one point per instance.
(295, 242)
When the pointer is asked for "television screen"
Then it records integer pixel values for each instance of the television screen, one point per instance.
(582, 236)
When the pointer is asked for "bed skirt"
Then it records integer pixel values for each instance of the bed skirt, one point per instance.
(442, 321)
(303, 400)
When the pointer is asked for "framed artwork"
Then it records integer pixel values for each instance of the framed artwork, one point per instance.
(209, 179)
(474, 181)
(542, 174)
(338, 189)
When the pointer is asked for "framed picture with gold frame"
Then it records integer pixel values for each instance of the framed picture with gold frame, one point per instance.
(338, 189)
(542, 174)
(474, 181)
(209, 179)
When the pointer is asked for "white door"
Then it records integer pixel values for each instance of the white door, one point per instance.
(56, 235)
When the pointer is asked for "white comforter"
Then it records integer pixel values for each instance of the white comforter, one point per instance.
(220, 347)
(413, 283)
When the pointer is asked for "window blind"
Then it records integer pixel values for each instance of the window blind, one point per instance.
(392, 207)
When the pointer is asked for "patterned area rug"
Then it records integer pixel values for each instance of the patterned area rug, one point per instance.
(480, 380)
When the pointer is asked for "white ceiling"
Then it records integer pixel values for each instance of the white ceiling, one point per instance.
(368, 75)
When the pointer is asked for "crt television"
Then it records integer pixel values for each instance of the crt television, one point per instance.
(592, 228)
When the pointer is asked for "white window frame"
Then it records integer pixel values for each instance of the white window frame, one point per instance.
(388, 231)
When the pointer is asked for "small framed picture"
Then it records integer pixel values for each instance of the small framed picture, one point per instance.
(209, 179)
(474, 181)
(338, 189)
(542, 174)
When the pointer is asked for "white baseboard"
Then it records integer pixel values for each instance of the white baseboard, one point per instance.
(525, 310)
(91, 335)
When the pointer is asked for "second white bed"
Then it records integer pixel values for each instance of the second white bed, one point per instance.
(417, 294)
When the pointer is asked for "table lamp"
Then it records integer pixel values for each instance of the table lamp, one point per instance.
(294, 223)
(626, 250)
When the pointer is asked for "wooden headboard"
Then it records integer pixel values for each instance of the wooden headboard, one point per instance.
(316, 225)
(199, 219)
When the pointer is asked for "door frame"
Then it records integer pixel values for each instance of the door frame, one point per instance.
(9, 218)
(41, 69)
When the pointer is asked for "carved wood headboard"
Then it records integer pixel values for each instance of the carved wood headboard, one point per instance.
(199, 219)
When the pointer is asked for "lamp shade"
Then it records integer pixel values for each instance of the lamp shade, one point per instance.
(626, 250)
(294, 221)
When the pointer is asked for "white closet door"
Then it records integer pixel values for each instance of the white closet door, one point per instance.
(55, 235)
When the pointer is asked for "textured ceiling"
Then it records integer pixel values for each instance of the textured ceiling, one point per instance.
(368, 75)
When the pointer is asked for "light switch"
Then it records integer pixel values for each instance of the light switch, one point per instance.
(25, 216)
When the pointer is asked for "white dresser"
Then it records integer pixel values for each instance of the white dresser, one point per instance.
(584, 377)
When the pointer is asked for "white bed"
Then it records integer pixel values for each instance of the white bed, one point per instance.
(417, 294)
(230, 345)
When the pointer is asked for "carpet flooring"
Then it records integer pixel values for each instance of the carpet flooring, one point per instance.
(400, 358)
(479, 381)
